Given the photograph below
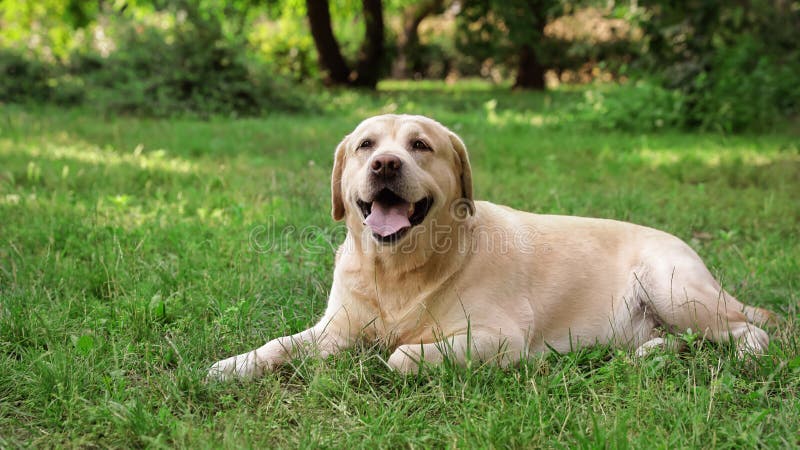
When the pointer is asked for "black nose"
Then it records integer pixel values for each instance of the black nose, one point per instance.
(386, 166)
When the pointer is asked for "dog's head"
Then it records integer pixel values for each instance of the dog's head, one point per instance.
(396, 173)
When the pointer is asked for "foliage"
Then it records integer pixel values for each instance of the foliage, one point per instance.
(642, 105)
(285, 44)
(731, 65)
(187, 67)
(435, 58)
(490, 29)
(23, 78)
(136, 252)
(174, 60)
(735, 62)
(747, 88)
(45, 28)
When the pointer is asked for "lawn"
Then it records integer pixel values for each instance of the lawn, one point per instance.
(136, 252)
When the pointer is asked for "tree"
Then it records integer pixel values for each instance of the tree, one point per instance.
(526, 27)
(511, 29)
(368, 66)
(408, 39)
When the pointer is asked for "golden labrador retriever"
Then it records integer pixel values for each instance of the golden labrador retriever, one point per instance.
(433, 274)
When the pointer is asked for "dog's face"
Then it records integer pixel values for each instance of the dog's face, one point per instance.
(397, 173)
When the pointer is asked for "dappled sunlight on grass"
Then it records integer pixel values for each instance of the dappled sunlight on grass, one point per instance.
(128, 212)
(62, 169)
(81, 151)
(463, 85)
(714, 156)
(125, 270)
(535, 119)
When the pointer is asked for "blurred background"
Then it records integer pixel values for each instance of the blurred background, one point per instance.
(698, 64)
(165, 203)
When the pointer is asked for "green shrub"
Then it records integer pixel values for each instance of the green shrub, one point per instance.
(643, 105)
(190, 67)
(735, 63)
(23, 79)
(287, 47)
(177, 62)
(744, 88)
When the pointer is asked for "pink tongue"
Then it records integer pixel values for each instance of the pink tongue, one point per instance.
(385, 220)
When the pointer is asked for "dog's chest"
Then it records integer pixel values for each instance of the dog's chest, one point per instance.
(394, 310)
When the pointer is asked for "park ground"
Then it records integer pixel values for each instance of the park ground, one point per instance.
(136, 252)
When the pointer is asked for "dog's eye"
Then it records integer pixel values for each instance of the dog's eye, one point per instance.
(366, 143)
(420, 145)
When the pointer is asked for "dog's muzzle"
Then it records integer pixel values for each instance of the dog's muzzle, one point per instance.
(389, 216)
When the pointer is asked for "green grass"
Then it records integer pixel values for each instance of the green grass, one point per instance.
(135, 252)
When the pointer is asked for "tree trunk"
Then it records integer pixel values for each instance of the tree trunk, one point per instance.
(330, 57)
(530, 72)
(370, 56)
(408, 39)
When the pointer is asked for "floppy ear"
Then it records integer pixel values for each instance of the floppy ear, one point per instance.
(337, 203)
(466, 171)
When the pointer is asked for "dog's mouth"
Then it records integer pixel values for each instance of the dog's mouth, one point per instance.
(390, 216)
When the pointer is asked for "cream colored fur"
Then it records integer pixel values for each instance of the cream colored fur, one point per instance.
(485, 282)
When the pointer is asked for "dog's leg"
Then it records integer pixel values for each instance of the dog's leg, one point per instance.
(321, 340)
(688, 297)
(718, 316)
(648, 347)
(460, 349)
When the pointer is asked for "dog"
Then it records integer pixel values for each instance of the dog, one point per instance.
(432, 274)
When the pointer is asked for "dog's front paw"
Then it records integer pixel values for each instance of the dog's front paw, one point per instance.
(406, 359)
(236, 367)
